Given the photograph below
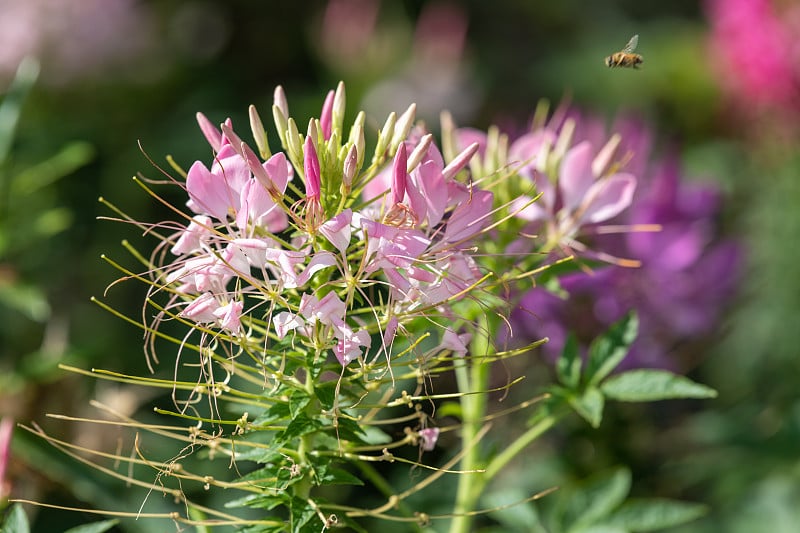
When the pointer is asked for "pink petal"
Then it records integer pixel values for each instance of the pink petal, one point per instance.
(575, 177)
(469, 217)
(207, 193)
(608, 198)
(338, 231)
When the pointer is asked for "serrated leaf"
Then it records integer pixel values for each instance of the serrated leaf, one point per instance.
(301, 425)
(568, 366)
(326, 394)
(16, 521)
(608, 350)
(95, 527)
(646, 385)
(595, 499)
(301, 513)
(654, 514)
(589, 405)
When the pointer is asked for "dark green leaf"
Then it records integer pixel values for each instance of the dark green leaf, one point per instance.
(650, 385)
(589, 405)
(338, 476)
(301, 425)
(568, 366)
(608, 350)
(301, 514)
(95, 527)
(654, 514)
(326, 394)
(16, 521)
(595, 499)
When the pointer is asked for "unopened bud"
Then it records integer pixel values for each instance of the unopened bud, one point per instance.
(279, 101)
(311, 168)
(357, 136)
(384, 136)
(419, 151)
(339, 105)
(210, 131)
(259, 133)
(233, 139)
(294, 144)
(460, 161)
(350, 167)
(326, 117)
(402, 127)
(399, 175)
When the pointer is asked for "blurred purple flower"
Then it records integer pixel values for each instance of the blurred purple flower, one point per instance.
(687, 273)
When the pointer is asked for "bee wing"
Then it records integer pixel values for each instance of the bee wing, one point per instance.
(631, 46)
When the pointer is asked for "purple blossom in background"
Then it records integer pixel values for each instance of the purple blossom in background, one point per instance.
(687, 273)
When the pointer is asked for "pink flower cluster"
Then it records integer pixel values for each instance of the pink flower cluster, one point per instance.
(256, 256)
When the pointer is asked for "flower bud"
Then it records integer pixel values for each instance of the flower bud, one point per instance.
(399, 175)
(259, 133)
(311, 168)
(210, 131)
(419, 151)
(350, 167)
(384, 136)
(326, 117)
(402, 127)
(279, 101)
(460, 161)
(339, 104)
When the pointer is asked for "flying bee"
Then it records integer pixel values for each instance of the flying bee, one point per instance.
(626, 57)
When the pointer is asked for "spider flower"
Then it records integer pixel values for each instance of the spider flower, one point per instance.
(260, 256)
(686, 276)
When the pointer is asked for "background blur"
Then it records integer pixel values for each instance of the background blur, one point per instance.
(718, 94)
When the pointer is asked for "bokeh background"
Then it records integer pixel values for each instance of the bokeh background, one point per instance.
(717, 101)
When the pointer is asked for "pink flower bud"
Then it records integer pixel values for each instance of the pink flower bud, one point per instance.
(311, 167)
(399, 174)
(326, 117)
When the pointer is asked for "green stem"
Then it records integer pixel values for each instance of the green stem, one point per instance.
(473, 410)
(534, 432)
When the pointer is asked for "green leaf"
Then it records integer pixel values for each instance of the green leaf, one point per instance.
(589, 405)
(650, 385)
(95, 527)
(34, 178)
(338, 476)
(653, 514)
(521, 517)
(301, 513)
(11, 108)
(595, 499)
(16, 521)
(301, 425)
(568, 366)
(608, 350)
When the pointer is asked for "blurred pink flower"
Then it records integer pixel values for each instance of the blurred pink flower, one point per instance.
(756, 52)
(73, 39)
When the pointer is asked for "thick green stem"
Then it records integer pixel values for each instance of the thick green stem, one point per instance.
(471, 379)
